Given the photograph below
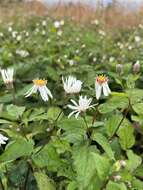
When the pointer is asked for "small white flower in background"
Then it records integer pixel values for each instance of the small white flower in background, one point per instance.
(65, 56)
(37, 30)
(94, 59)
(83, 46)
(62, 22)
(49, 40)
(3, 139)
(71, 85)
(27, 34)
(14, 34)
(22, 53)
(40, 85)
(102, 33)
(90, 54)
(7, 76)
(44, 23)
(130, 47)
(101, 83)
(77, 39)
(19, 38)
(59, 33)
(96, 22)
(57, 24)
(83, 104)
(77, 51)
(9, 29)
(71, 62)
(141, 26)
(137, 39)
(111, 59)
(1, 34)
(43, 32)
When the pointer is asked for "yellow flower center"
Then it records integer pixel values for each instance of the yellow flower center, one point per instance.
(101, 79)
(40, 82)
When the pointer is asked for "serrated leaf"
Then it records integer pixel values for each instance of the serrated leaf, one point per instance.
(126, 135)
(133, 160)
(115, 186)
(16, 149)
(15, 111)
(43, 181)
(102, 165)
(112, 124)
(47, 157)
(53, 113)
(102, 141)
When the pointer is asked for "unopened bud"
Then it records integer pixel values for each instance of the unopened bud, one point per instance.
(119, 68)
(123, 163)
(136, 67)
(117, 178)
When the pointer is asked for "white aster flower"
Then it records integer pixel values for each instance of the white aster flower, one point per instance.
(22, 53)
(101, 82)
(19, 38)
(1, 34)
(71, 62)
(71, 85)
(137, 39)
(14, 34)
(9, 29)
(7, 76)
(43, 32)
(44, 22)
(3, 139)
(40, 85)
(80, 107)
(59, 33)
(62, 22)
(57, 24)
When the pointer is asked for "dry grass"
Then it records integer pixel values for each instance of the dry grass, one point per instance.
(111, 17)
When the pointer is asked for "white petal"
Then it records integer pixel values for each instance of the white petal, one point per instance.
(72, 107)
(106, 90)
(72, 113)
(48, 92)
(74, 102)
(32, 90)
(98, 89)
(77, 114)
(43, 93)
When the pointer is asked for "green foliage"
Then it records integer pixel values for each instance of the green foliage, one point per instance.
(47, 150)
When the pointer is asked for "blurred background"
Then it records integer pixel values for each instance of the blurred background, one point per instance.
(113, 13)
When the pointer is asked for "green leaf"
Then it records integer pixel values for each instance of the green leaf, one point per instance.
(137, 184)
(84, 166)
(133, 161)
(74, 129)
(16, 149)
(115, 186)
(15, 111)
(114, 103)
(102, 165)
(112, 124)
(102, 141)
(126, 135)
(3, 121)
(43, 181)
(47, 157)
(53, 113)
(138, 108)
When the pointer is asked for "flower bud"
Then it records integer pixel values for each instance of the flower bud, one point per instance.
(136, 67)
(119, 68)
(123, 163)
(117, 178)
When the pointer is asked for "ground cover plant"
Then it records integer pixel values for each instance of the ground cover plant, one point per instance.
(71, 109)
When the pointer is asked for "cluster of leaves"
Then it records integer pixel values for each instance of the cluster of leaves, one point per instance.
(47, 150)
